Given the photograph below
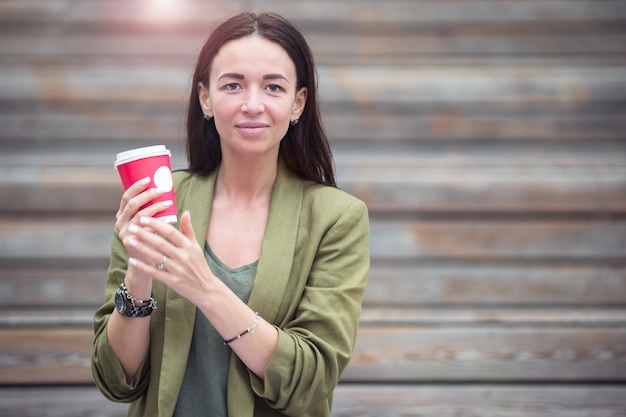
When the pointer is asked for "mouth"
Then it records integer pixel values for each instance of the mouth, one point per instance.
(251, 127)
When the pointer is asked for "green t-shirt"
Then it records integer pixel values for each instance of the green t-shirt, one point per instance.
(203, 392)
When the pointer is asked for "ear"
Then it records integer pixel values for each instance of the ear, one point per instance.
(203, 97)
(299, 103)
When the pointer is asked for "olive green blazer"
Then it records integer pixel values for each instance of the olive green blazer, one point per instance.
(310, 281)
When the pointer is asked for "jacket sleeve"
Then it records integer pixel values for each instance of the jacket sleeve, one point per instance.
(106, 368)
(316, 344)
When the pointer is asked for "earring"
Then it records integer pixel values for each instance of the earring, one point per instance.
(294, 122)
(207, 117)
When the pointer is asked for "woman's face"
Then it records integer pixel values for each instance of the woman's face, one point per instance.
(252, 95)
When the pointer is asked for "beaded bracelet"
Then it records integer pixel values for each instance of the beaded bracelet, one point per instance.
(250, 330)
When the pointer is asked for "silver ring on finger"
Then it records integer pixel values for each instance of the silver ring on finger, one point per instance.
(161, 266)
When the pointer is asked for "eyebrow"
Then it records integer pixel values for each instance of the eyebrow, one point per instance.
(238, 76)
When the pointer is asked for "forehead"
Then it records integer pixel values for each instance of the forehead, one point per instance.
(253, 55)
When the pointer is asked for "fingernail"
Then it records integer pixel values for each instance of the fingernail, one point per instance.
(132, 228)
(144, 181)
(167, 203)
(132, 242)
(132, 261)
(144, 221)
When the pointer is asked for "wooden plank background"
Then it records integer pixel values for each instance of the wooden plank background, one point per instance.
(487, 137)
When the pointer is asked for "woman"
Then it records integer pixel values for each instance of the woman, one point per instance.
(258, 293)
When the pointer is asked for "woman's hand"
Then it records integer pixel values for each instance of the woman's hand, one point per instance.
(185, 268)
(135, 197)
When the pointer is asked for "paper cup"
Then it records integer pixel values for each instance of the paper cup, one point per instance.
(153, 162)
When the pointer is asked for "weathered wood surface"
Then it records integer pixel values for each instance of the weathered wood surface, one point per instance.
(403, 240)
(487, 353)
(495, 284)
(487, 138)
(428, 177)
(449, 121)
(45, 356)
(353, 400)
(469, 400)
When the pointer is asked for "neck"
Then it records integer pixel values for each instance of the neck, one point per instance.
(246, 182)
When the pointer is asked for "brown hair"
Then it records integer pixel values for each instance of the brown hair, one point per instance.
(304, 149)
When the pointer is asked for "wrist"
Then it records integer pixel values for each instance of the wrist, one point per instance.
(130, 306)
(137, 284)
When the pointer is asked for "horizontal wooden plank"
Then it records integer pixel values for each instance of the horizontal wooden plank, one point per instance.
(72, 314)
(346, 120)
(501, 191)
(58, 401)
(358, 12)
(352, 400)
(44, 44)
(368, 84)
(545, 317)
(421, 284)
(36, 240)
(55, 240)
(46, 356)
(21, 159)
(354, 158)
(488, 354)
(53, 286)
(75, 313)
(500, 239)
(432, 400)
(411, 354)
(365, 84)
(427, 177)
(455, 124)
(495, 284)
(559, 190)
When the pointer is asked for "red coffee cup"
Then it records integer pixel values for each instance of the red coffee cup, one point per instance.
(153, 162)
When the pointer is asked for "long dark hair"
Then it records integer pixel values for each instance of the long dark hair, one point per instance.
(304, 149)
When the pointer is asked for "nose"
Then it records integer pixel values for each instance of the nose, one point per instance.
(252, 103)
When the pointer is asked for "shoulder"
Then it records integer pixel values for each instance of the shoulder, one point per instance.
(184, 180)
(328, 196)
(330, 203)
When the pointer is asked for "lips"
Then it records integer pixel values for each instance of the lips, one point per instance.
(251, 127)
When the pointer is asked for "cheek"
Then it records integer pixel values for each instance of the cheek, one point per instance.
(225, 108)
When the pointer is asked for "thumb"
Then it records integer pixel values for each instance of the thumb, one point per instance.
(186, 227)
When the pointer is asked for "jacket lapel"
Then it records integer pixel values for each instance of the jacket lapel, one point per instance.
(272, 277)
(277, 252)
(179, 313)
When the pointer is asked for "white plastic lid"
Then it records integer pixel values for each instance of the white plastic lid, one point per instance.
(145, 152)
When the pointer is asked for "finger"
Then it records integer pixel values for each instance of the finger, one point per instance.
(130, 202)
(142, 199)
(165, 231)
(133, 191)
(153, 209)
(138, 205)
(186, 227)
(151, 269)
(146, 246)
(139, 185)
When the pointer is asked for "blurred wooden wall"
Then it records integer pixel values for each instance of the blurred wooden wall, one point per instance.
(488, 139)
